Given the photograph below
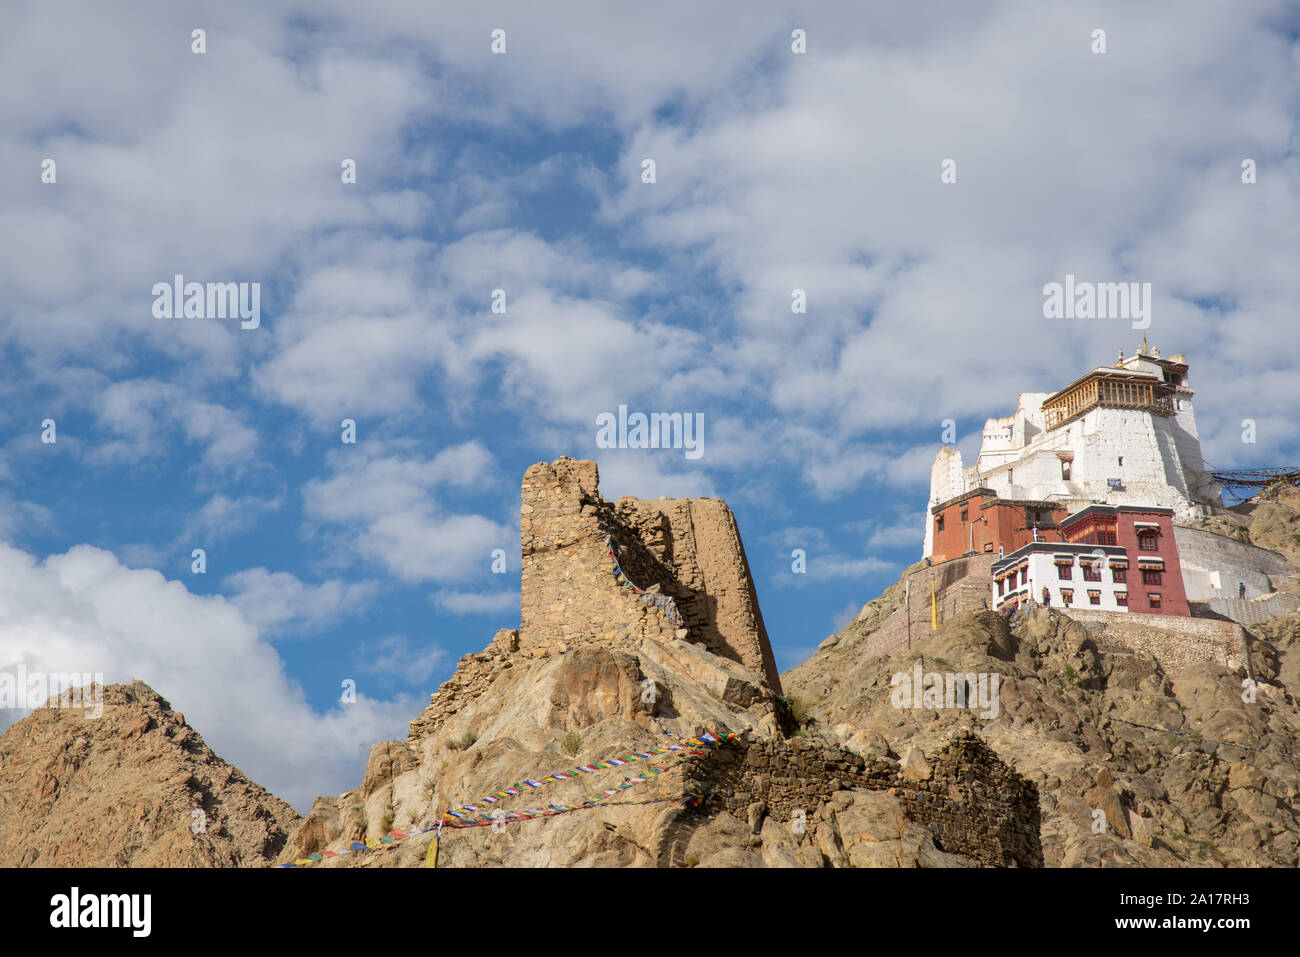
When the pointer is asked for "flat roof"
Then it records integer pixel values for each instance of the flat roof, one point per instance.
(1076, 548)
(1115, 510)
(982, 491)
(988, 493)
(1107, 372)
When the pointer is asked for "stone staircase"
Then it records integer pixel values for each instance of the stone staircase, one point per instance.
(1251, 611)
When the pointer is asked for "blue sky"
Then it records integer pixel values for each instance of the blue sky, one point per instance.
(774, 171)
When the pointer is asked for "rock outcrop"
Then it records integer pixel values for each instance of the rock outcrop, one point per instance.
(1047, 742)
(599, 669)
(134, 787)
(1182, 769)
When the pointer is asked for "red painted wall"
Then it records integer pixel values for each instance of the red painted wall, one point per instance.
(995, 523)
(1173, 596)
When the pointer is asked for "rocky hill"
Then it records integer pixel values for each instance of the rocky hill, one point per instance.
(1185, 770)
(1096, 753)
(604, 669)
(635, 718)
(122, 790)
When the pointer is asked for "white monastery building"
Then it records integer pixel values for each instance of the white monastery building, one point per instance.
(1119, 435)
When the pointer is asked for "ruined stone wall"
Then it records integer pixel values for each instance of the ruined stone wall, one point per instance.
(689, 549)
(971, 801)
(699, 541)
(568, 590)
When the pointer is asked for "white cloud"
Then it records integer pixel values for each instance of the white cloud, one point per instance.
(145, 413)
(648, 474)
(907, 530)
(831, 565)
(396, 657)
(384, 505)
(84, 611)
(476, 603)
(222, 516)
(278, 602)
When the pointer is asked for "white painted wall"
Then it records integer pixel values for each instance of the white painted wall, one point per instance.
(1042, 573)
(1213, 566)
(1018, 459)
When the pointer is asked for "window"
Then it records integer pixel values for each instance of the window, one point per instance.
(1091, 572)
(1153, 599)
(1065, 469)
(1121, 599)
(1024, 577)
(938, 524)
(1067, 596)
(1094, 597)
(1119, 574)
(1011, 476)
(1002, 587)
(1064, 572)
(963, 513)
(988, 546)
(1121, 461)
(1147, 539)
(1152, 576)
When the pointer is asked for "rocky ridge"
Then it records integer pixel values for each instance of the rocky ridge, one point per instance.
(133, 787)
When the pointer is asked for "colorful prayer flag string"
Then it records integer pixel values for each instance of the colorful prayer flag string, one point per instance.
(456, 822)
(663, 604)
(706, 740)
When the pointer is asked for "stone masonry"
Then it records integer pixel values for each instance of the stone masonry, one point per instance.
(688, 549)
(973, 803)
(699, 541)
(1175, 642)
(960, 586)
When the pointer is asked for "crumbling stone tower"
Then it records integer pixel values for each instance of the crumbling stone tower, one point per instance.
(687, 549)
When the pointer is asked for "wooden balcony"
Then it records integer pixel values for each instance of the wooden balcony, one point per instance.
(1113, 391)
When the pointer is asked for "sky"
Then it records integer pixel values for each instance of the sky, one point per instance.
(918, 171)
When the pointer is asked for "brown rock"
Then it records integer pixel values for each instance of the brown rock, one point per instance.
(137, 792)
